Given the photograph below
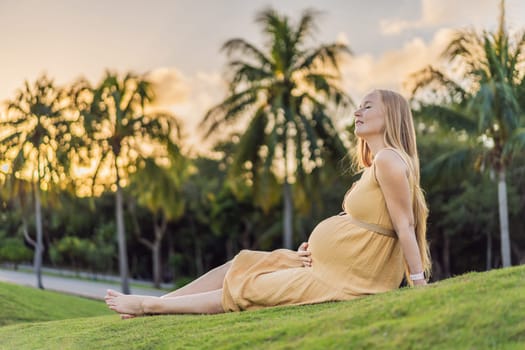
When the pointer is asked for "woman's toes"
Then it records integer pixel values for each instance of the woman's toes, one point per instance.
(113, 293)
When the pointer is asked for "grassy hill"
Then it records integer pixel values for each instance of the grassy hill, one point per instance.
(472, 311)
(24, 304)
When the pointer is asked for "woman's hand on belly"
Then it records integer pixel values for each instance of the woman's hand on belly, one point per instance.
(304, 255)
(420, 283)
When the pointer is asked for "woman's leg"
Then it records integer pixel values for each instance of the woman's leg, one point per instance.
(212, 280)
(209, 302)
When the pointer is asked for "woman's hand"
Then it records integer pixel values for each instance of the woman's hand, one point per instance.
(304, 255)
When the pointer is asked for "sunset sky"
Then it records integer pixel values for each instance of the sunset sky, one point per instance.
(178, 41)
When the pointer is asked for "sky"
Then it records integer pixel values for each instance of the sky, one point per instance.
(178, 42)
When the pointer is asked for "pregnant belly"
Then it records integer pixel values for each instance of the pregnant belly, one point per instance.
(324, 239)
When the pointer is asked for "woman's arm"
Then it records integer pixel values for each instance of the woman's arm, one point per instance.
(392, 176)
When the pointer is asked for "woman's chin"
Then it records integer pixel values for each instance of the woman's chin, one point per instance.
(358, 133)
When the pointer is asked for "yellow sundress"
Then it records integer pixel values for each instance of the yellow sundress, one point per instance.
(355, 253)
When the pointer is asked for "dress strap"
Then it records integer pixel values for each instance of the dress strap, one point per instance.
(368, 226)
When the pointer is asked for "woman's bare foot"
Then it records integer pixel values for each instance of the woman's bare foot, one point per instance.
(126, 316)
(111, 292)
(126, 305)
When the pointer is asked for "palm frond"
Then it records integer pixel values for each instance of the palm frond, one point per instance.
(517, 58)
(243, 47)
(448, 116)
(229, 110)
(103, 157)
(516, 143)
(251, 141)
(431, 77)
(327, 132)
(19, 161)
(272, 140)
(16, 106)
(328, 55)
(466, 46)
(11, 139)
(320, 81)
(266, 192)
(510, 108)
(310, 135)
(450, 166)
(243, 72)
(299, 142)
(271, 23)
(306, 27)
(483, 104)
(326, 86)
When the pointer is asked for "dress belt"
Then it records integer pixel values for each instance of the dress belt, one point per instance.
(368, 226)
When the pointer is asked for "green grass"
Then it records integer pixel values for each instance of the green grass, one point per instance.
(472, 311)
(23, 304)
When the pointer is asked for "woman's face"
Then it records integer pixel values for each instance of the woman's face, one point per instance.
(370, 117)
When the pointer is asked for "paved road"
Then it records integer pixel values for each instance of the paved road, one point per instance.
(85, 288)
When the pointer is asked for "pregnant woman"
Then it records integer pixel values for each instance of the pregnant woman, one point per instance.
(366, 249)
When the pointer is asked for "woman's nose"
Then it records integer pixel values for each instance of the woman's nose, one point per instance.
(357, 113)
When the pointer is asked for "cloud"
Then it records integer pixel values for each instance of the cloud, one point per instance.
(342, 38)
(443, 12)
(188, 97)
(391, 69)
(170, 86)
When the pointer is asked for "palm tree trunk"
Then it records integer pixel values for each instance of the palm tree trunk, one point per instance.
(245, 237)
(288, 215)
(39, 247)
(503, 218)
(156, 264)
(171, 253)
(229, 248)
(121, 237)
(489, 251)
(446, 256)
(287, 199)
(199, 264)
(160, 231)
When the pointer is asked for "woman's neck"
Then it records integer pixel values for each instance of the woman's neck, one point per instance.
(376, 144)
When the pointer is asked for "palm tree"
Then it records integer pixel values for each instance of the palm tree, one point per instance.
(120, 133)
(289, 91)
(487, 111)
(159, 189)
(36, 144)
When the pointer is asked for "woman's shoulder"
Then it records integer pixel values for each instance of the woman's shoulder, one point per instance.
(391, 162)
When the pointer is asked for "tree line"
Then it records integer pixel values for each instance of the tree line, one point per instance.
(95, 179)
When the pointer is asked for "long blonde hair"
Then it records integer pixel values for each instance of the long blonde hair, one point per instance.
(400, 134)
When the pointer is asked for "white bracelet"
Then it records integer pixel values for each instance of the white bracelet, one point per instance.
(417, 276)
